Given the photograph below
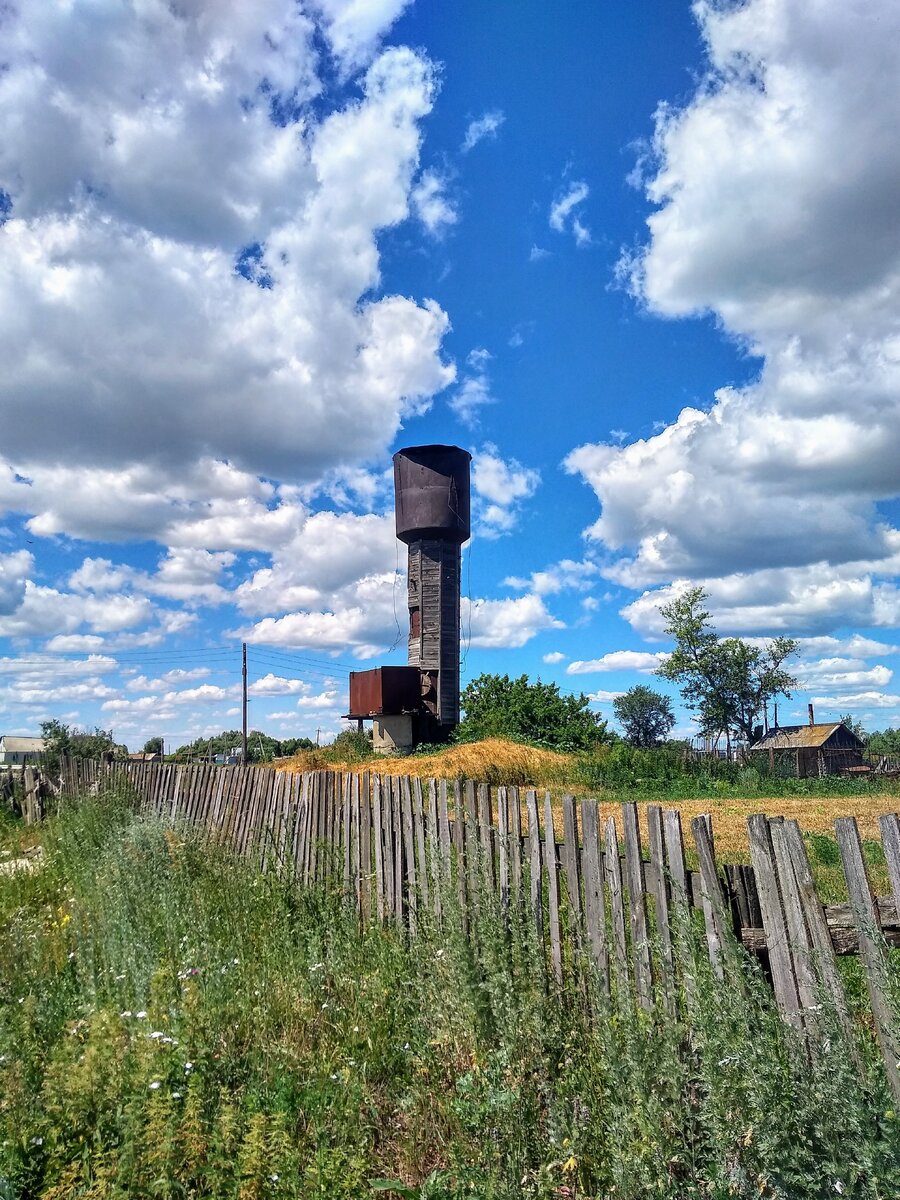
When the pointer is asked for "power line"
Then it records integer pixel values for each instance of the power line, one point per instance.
(298, 668)
(289, 656)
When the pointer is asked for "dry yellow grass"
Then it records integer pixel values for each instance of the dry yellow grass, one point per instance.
(494, 760)
(814, 814)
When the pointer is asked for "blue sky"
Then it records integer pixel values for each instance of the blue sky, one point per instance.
(642, 260)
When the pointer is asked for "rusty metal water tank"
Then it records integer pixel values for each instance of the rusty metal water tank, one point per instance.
(431, 488)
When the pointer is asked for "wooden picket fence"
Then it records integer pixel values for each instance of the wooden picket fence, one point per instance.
(398, 846)
(25, 792)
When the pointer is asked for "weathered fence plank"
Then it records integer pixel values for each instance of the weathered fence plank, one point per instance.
(514, 820)
(378, 840)
(890, 840)
(823, 958)
(503, 849)
(571, 862)
(534, 866)
(780, 958)
(550, 862)
(798, 936)
(594, 901)
(612, 871)
(637, 906)
(710, 892)
(871, 947)
(419, 830)
(660, 894)
(409, 853)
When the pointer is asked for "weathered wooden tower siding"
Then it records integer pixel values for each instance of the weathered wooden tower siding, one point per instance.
(431, 486)
(434, 589)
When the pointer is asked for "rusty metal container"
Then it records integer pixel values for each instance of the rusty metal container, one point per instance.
(431, 488)
(385, 691)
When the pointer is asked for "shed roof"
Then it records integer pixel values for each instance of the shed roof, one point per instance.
(798, 737)
(21, 745)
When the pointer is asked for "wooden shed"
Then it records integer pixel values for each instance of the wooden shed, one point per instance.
(806, 751)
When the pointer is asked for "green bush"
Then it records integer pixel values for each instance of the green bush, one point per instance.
(536, 713)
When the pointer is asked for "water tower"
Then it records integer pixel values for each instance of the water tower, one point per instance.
(420, 703)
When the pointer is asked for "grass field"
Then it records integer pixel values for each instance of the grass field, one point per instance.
(174, 1024)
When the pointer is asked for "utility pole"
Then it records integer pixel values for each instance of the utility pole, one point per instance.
(244, 707)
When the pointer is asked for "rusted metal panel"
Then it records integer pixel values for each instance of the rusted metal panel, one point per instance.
(384, 691)
(431, 489)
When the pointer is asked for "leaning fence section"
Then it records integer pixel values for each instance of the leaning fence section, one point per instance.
(602, 903)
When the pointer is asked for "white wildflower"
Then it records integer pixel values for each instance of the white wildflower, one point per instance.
(157, 1083)
(142, 1015)
(37, 1141)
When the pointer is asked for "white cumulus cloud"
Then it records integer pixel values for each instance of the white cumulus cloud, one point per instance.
(190, 268)
(775, 209)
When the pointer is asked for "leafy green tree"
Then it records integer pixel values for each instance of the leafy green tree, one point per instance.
(220, 743)
(67, 741)
(293, 745)
(260, 746)
(153, 745)
(645, 716)
(497, 706)
(854, 726)
(884, 741)
(726, 681)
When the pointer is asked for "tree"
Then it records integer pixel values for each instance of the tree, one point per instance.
(497, 706)
(645, 716)
(854, 726)
(153, 745)
(727, 681)
(292, 745)
(884, 741)
(260, 746)
(67, 741)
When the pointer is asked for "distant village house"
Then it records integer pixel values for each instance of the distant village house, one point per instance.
(20, 751)
(809, 751)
